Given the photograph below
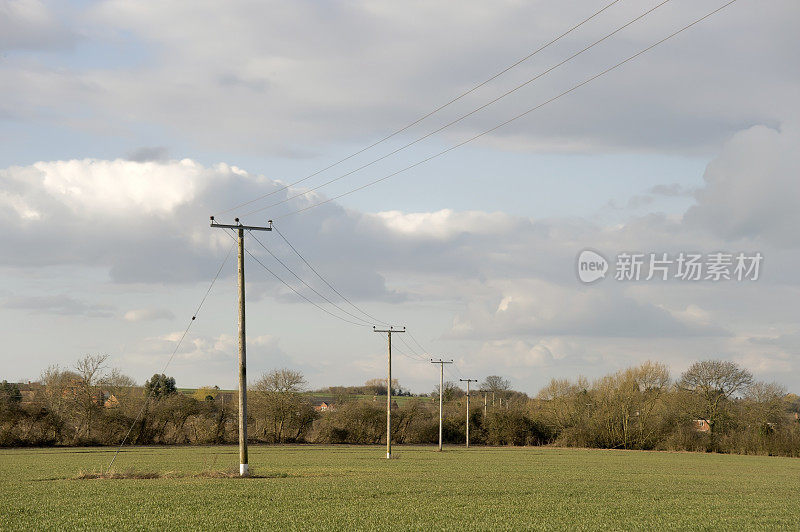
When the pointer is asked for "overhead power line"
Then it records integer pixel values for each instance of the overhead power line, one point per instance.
(414, 355)
(513, 119)
(365, 322)
(293, 289)
(301, 295)
(464, 116)
(429, 114)
(416, 342)
(409, 356)
(337, 292)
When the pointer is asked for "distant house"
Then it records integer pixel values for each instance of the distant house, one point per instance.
(702, 425)
(323, 405)
(29, 391)
(109, 400)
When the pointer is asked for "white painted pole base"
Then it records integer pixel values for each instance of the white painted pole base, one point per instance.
(388, 456)
(243, 470)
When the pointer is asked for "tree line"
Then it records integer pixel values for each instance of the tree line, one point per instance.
(714, 406)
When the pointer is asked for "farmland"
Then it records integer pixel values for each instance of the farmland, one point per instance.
(346, 487)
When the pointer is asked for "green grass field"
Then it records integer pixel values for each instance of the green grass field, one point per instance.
(345, 487)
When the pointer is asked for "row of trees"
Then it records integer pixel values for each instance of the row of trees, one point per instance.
(713, 406)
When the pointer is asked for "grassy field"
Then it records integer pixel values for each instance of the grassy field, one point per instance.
(343, 487)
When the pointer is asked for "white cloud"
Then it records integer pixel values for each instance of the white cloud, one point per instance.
(446, 223)
(29, 24)
(59, 304)
(144, 221)
(752, 188)
(119, 188)
(506, 284)
(148, 314)
(342, 72)
(534, 307)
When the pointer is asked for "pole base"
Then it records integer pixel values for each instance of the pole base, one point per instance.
(244, 470)
(388, 456)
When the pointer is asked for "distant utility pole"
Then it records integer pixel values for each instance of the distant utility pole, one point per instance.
(484, 405)
(468, 381)
(240, 229)
(389, 332)
(441, 388)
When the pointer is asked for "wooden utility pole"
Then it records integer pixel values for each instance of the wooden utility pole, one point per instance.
(389, 332)
(240, 229)
(484, 405)
(468, 381)
(441, 388)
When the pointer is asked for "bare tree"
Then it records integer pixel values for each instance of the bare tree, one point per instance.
(378, 386)
(624, 405)
(564, 403)
(88, 395)
(496, 385)
(450, 391)
(120, 385)
(766, 405)
(280, 400)
(714, 383)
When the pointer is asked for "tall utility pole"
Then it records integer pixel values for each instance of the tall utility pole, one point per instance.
(468, 381)
(240, 229)
(441, 388)
(389, 332)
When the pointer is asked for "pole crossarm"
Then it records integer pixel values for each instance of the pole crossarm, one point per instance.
(389, 330)
(237, 225)
(388, 333)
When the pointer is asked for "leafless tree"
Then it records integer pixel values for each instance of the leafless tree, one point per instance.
(714, 383)
(765, 405)
(87, 393)
(280, 401)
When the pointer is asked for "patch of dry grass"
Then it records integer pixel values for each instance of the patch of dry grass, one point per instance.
(140, 475)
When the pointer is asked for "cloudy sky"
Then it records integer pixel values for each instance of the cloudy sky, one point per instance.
(125, 124)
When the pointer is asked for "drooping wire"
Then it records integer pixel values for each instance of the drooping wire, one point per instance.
(299, 294)
(414, 355)
(513, 119)
(365, 322)
(398, 350)
(462, 117)
(416, 342)
(177, 346)
(431, 113)
(454, 364)
(337, 292)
